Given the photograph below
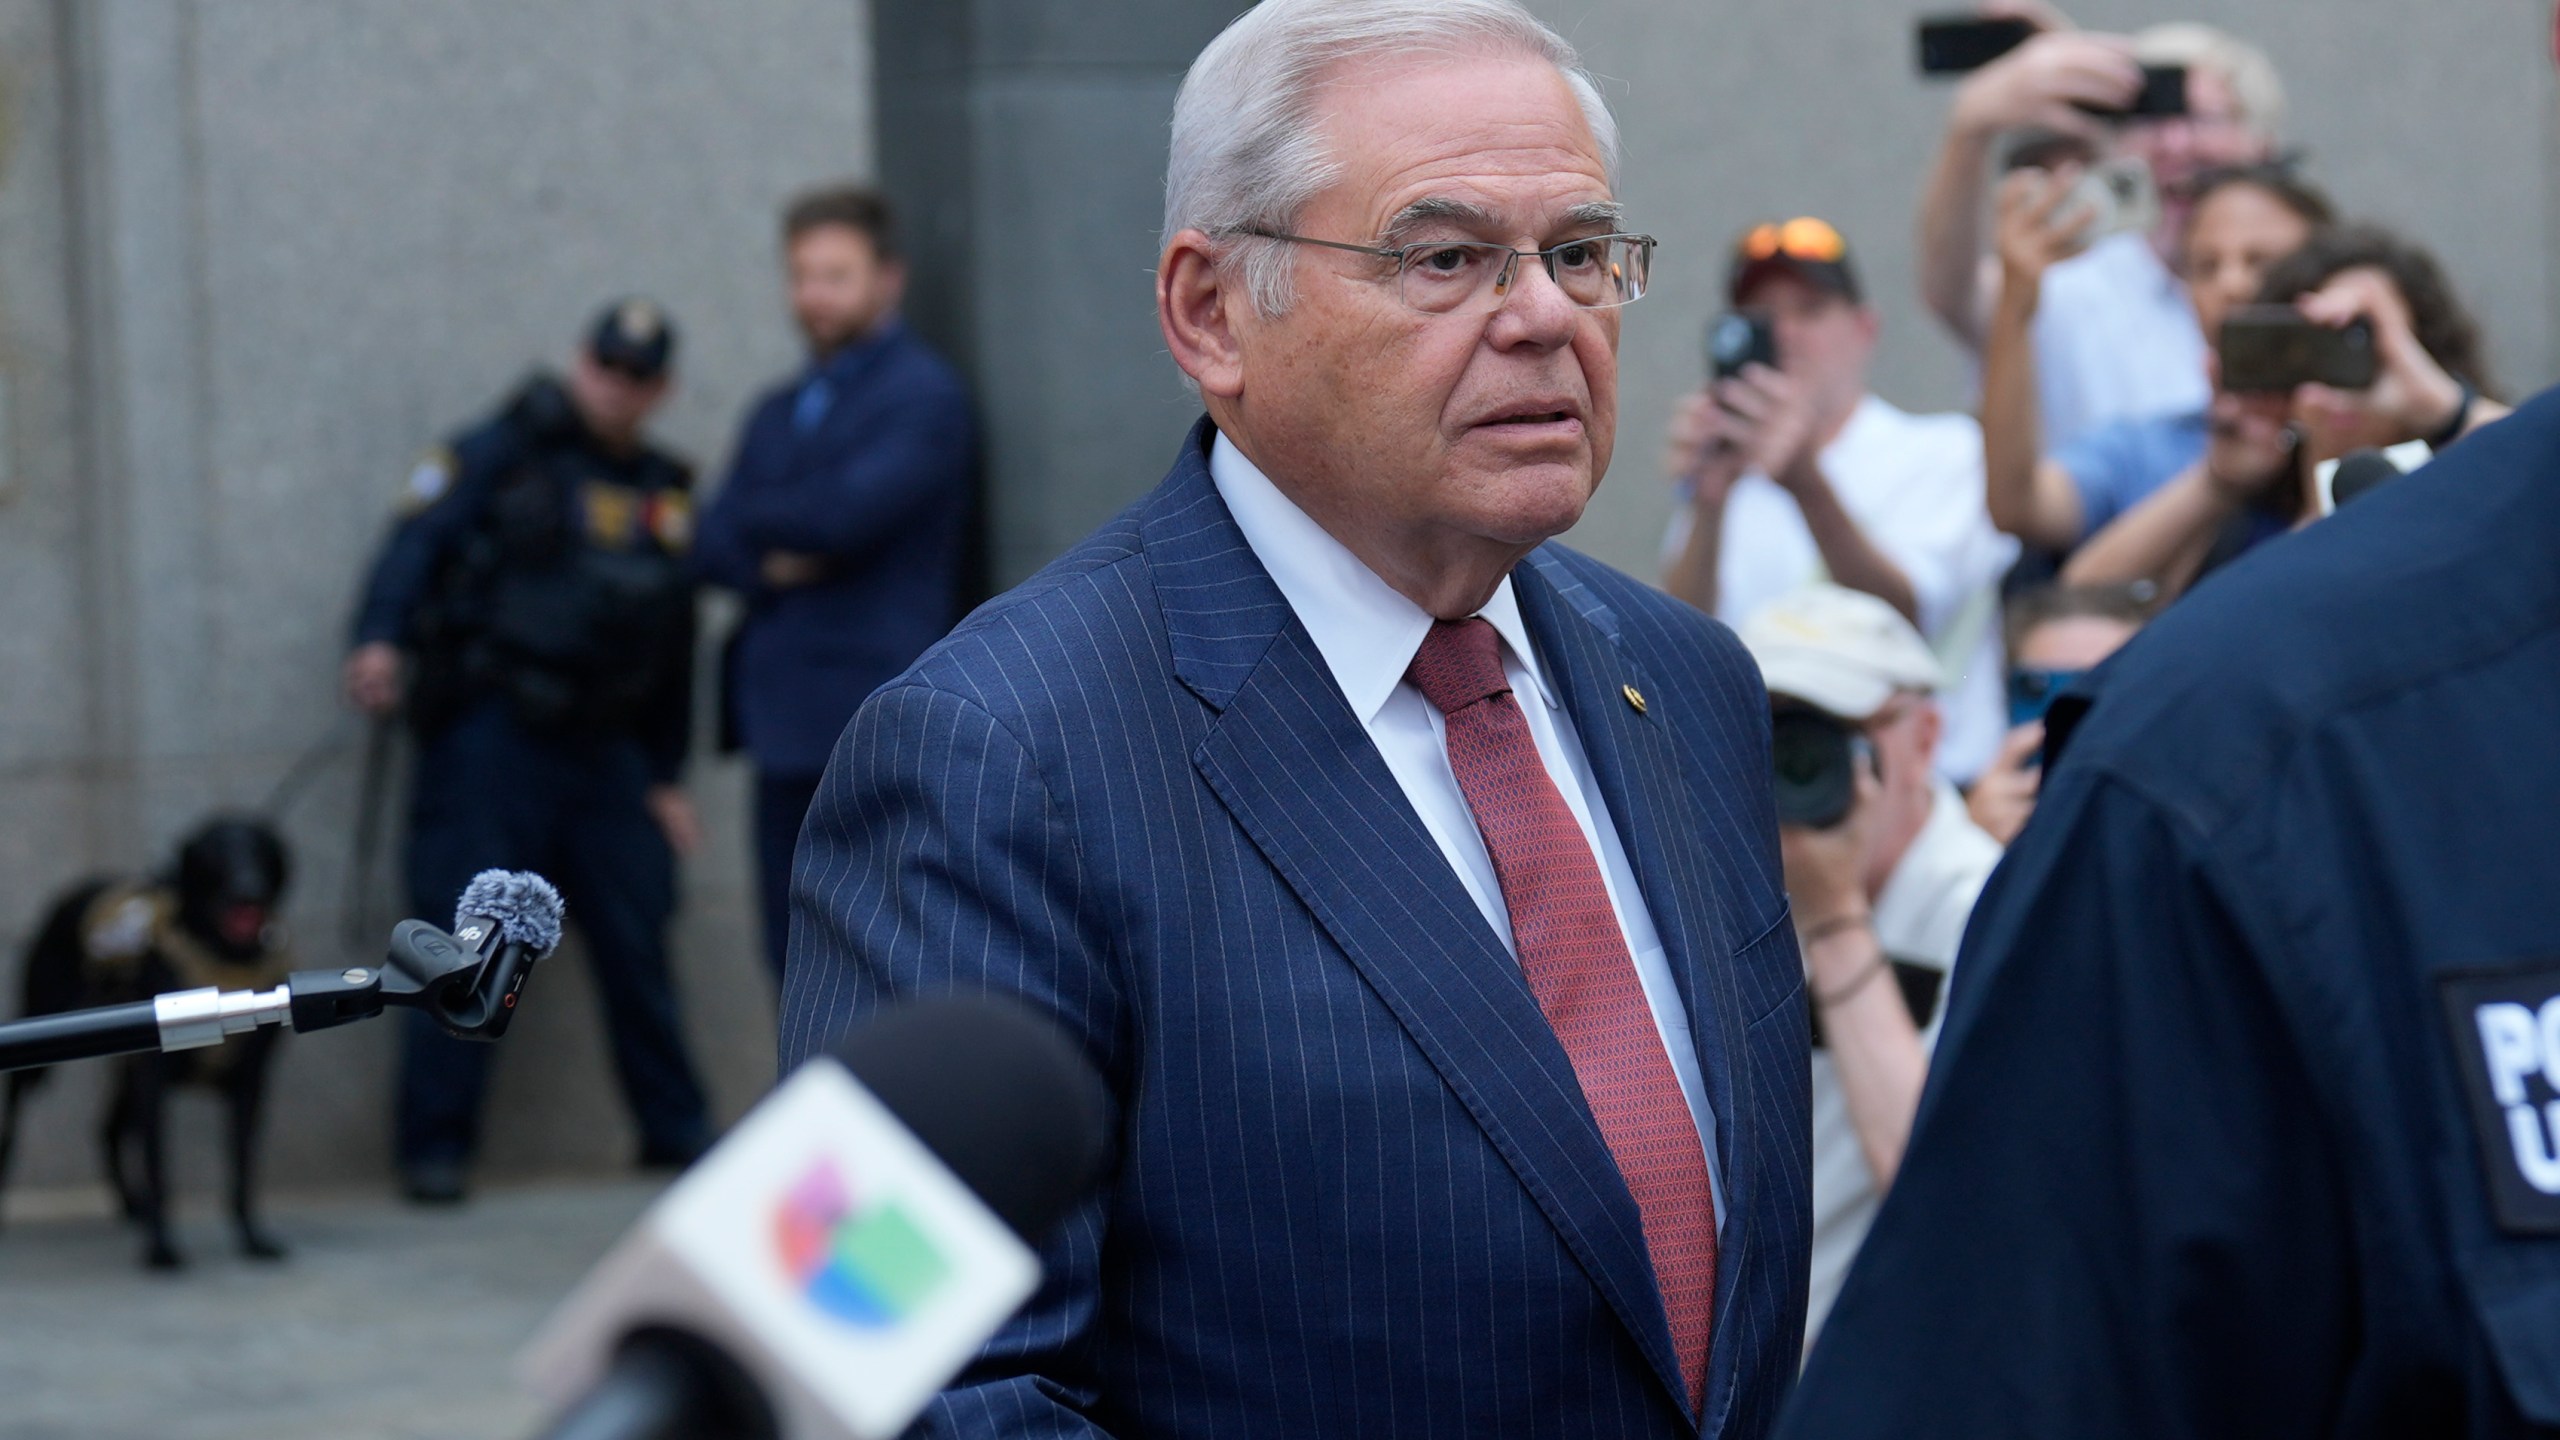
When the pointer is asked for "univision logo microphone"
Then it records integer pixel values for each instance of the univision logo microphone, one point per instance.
(870, 1265)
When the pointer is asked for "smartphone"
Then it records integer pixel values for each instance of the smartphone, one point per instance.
(2273, 348)
(2032, 691)
(2163, 93)
(2118, 195)
(1738, 338)
(1955, 44)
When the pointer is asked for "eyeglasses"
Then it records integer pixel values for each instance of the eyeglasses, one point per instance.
(2032, 691)
(1803, 238)
(1453, 277)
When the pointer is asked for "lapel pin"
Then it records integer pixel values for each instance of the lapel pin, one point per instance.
(1635, 697)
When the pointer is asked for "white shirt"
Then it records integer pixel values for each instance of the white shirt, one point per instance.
(1368, 634)
(1919, 920)
(1913, 484)
(2116, 339)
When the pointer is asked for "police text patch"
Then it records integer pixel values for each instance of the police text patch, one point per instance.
(2506, 1036)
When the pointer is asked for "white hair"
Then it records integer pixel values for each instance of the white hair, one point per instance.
(1247, 148)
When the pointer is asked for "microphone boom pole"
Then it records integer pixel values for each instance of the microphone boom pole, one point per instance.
(469, 982)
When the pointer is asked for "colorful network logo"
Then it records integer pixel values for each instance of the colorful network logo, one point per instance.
(870, 1265)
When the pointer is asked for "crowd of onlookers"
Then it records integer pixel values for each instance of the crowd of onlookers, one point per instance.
(1927, 585)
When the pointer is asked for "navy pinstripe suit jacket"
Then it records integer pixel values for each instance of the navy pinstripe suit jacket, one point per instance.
(1360, 1192)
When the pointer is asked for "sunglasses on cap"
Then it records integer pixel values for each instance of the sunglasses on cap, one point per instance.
(1803, 238)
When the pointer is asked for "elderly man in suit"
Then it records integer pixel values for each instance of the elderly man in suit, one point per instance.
(1413, 880)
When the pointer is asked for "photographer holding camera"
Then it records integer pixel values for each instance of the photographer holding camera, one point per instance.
(1793, 471)
(1882, 868)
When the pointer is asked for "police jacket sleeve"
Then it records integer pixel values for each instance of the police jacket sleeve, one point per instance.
(919, 456)
(932, 860)
(2119, 1215)
(419, 544)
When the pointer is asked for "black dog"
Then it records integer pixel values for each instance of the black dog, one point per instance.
(209, 922)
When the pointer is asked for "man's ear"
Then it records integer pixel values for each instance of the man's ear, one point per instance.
(1199, 307)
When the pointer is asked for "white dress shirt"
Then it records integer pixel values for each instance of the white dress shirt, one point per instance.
(1368, 634)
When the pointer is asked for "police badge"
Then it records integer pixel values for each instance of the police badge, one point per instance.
(2506, 1036)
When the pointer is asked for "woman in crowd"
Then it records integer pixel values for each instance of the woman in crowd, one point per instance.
(2255, 477)
(2242, 221)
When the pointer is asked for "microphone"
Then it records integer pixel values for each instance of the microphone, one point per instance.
(469, 982)
(836, 1259)
(511, 918)
(2358, 472)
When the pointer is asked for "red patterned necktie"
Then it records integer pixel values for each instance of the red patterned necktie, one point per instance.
(1577, 962)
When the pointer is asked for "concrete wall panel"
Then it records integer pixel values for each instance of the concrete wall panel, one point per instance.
(297, 243)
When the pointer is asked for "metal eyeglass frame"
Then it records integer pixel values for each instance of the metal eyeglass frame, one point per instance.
(1403, 256)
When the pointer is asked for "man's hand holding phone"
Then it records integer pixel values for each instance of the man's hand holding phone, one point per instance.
(2055, 81)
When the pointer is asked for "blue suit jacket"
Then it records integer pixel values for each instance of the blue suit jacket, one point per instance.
(880, 489)
(1360, 1190)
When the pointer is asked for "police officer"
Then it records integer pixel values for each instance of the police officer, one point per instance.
(2245, 1117)
(533, 612)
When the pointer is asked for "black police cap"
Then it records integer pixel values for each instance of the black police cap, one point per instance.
(633, 335)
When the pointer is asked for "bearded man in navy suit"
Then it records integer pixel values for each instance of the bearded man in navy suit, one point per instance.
(843, 521)
(1412, 879)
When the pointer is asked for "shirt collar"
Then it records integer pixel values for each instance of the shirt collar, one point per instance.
(1366, 630)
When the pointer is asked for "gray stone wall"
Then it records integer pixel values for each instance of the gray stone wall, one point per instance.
(254, 256)
(1025, 140)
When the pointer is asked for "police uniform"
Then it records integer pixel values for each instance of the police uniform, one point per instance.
(2244, 1120)
(538, 587)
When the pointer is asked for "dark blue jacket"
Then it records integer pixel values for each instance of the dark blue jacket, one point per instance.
(2209, 1149)
(524, 538)
(1361, 1193)
(879, 488)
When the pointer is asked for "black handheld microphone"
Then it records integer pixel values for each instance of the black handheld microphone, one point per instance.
(2358, 472)
(848, 1248)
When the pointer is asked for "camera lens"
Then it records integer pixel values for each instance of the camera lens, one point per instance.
(1814, 759)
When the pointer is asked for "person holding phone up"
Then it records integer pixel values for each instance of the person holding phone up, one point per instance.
(2257, 477)
(2115, 338)
(1791, 470)
(2243, 221)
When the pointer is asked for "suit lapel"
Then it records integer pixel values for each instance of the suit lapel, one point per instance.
(1635, 759)
(1300, 775)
